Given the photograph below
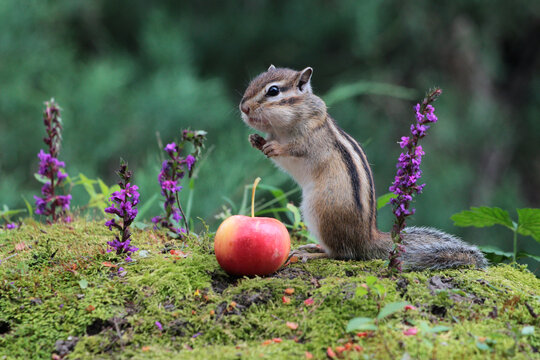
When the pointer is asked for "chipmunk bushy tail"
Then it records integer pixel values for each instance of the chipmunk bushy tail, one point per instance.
(428, 248)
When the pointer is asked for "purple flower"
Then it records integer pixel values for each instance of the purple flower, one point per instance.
(110, 223)
(190, 160)
(178, 230)
(176, 215)
(63, 201)
(11, 226)
(61, 175)
(172, 172)
(404, 142)
(159, 326)
(124, 204)
(408, 173)
(170, 148)
(52, 169)
(170, 185)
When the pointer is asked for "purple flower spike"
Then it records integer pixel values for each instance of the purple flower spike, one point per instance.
(172, 172)
(159, 326)
(51, 169)
(405, 183)
(123, 206)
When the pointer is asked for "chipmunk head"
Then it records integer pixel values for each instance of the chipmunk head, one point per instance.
(278, 99)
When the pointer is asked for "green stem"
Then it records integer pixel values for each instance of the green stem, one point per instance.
(186, 223)
(515, 245)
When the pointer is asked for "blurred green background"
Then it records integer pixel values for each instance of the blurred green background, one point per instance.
(124, 70)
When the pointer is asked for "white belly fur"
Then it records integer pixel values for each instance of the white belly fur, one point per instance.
(301, 173)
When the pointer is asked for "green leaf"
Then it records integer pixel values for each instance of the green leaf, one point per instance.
(495, 250)
(28, 207)
(391, 308)
(42, 179)
(483, 216)
(83, 283)
(379, 289)
(8, 213)
(370, 280)
(103, 187)
(527, 330)
(88, 185)
(361, 323)
(296, 213)
(494, 254)
(524, 254)
(438, 329)
(383, 200)
(482, 346)
(361, 291)
(529, 222)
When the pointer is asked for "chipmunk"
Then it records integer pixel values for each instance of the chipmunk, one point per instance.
(338, 194)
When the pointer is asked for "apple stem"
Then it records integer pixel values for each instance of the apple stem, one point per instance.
(255, 183)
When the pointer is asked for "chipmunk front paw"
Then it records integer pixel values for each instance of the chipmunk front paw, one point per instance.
(257, 141)
(273, 148)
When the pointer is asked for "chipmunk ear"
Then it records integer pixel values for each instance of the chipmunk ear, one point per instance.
(272, 67)
(304, 80)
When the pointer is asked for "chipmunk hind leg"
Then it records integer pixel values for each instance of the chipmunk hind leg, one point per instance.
(428, 248)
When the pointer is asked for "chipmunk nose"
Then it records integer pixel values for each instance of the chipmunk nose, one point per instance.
(245, 109)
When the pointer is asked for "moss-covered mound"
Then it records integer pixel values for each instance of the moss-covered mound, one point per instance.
(63, 296)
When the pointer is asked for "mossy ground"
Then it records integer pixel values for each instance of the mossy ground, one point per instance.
(59, 295)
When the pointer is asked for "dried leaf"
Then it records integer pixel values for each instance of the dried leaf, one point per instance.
(410, 331)
(292, 325)
(331, 354)
(289, 291)
(21, 246)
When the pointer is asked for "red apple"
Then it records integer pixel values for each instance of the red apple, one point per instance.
(251, 245)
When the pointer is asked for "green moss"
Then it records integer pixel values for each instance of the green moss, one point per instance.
(61, 285)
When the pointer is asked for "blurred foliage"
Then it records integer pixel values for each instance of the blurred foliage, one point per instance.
(124, 70)
(527, 224)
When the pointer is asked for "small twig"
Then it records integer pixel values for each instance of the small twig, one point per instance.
(118, 332)
(531, 310)
(182, 212)
(9, 257)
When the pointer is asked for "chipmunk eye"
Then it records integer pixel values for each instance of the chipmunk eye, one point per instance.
(272, 91)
